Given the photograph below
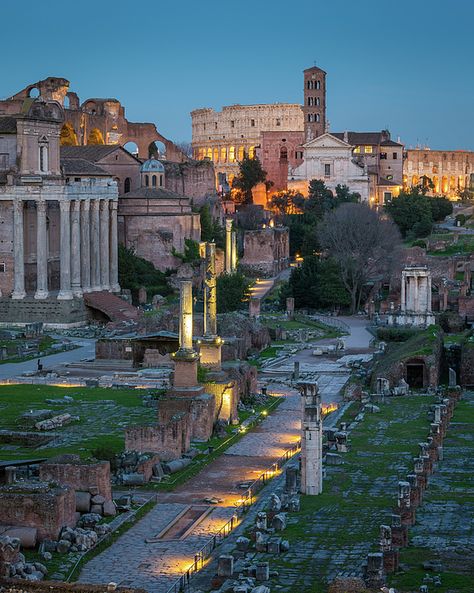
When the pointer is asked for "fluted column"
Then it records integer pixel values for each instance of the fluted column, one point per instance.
(85, 246)
(228, 245)
(114, 277)
(41, 251)
(104, 245)
(65, 292)
(76, 248)
(95, 245)
(18, 251)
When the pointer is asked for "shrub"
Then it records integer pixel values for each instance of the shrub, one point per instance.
(395, 334)
(419, 243)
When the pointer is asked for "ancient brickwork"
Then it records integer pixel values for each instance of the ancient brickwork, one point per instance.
(194, 179)
(169, 440)
(266, 252)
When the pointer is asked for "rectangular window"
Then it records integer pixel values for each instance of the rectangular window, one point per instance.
(387, 197)
(215, 125)
(252, 123)
(278, 121)
(383, 156)
(395, 156)
(357, 149)
(3, 267)
(327, 170)
(232, 123)
(368, 149)
(3, 162)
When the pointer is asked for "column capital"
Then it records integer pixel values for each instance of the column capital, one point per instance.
(104, 205)
(113, 204)
(86, 204)
(65, 205)
(41, 205)
(76, 205)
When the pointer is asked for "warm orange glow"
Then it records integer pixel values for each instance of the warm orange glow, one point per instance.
(328, 408)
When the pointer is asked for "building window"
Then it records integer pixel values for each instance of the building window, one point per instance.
(3, 267)
(308, 84)
(252, 123)
(387, 197)
(327, 170)
(126, 185)
(310, 117)
(223, 158)
(153, 180)
(43, 158)
(316, 117)
(252, 152)
(3, 162)
(390, 177)
(278, 121)
(368, 149)
(241, 153)
(161, 180)
(357, 149)
(395, 156)
(204, 127)
(318, 84)
(318, 101)
(231, 154)
(383, 156)
(215, 125)
(232, 123)
(147, 181)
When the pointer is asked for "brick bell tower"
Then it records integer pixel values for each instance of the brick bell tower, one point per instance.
(314, 107)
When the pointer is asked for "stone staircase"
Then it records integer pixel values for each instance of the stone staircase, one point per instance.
(112, 306)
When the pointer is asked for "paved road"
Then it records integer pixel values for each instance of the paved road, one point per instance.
(359, 337)
(14, 369)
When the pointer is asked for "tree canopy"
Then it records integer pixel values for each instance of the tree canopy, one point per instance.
(211, 230)
(232, 290)
(250, 174)
(135, 272)
(362, 243)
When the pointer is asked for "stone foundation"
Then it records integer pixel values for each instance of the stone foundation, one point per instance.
(170, 439)
(53, 313)
(226, 396)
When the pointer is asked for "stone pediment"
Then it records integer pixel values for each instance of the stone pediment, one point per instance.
(327, 141)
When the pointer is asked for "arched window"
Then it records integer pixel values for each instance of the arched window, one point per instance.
(223, 158)
(283, 153)
(161, 180)
(310, 117)
(318, 84)
(153, 180)
(318, 101)
(147, 180)
(126, 185)
(308, 85)
(414, 180)
(436, 184)
(231, 154)
(241, 153)
(215, 157)
(316, 117)
(444, 185)
(209, 153)
(252, 152)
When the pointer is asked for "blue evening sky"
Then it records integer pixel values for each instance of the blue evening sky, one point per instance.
(402, 64)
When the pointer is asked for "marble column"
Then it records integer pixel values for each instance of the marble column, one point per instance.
(95, 245)
(403, 303)
(104, 245)
(210, 293)
(311, 440)
(41, 251)
(85, 246)
(186, 316)
(65, 292)
(228, 245)
(18, 251)
(76, 248)
(428, 293)
(114, 277)
(233, 262)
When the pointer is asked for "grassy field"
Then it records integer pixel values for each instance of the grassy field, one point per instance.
(103, 415)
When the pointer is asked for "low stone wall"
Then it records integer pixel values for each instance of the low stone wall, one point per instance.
(226, 396)
(109, 349)
(21, 586)
(41, 506)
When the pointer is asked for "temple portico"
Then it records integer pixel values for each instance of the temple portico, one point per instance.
(415, 298)
(87, 246)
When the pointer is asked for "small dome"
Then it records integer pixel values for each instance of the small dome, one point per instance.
(152, 166)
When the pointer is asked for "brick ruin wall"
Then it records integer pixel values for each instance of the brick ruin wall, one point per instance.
(93, 478)
(169, 440)
(266, 252)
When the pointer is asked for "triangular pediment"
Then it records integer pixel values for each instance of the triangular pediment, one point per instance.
(327, 140)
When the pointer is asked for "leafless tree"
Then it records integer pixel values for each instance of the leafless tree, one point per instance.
(185, 147)
(363, 242)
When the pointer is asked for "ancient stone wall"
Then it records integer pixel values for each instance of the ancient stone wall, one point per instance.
(21, 586)
(41, 506)
(110, 349)
(85, 477)
(194, 179)
(266, 252)
(169, 440)
(467, 365)
(278, 151)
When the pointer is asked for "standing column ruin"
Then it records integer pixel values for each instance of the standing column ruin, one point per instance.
(210, 344)
(311, 439)
(114, 276)
(42, 251)
(65, 292)
(18, 251)
(186, 358)
(233, 259)
(228, 245)
(76, 249)
(104, 245)
(85, 246)
(95, 245)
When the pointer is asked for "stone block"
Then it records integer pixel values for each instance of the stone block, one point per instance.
(96, 509)
(83, 502)
(262, 572)
(274, 545)
(225, 565)
(109, 509)
(27, 535)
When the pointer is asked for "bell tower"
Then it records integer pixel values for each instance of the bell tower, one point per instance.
(314, 107)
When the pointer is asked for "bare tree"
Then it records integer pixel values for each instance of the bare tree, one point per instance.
(363, 242)
(185, 147)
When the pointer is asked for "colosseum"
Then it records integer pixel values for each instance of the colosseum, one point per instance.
(225, 136)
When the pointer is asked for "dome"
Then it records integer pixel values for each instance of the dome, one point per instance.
(152, 166)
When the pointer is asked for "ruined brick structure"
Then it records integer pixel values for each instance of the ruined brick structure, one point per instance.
(170, 440)
(99, 121)
(41, 506)
(266, 251)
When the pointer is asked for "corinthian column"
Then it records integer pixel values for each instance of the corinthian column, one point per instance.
(104, 245)
(65, 292)
(18, 251)
(95, 245)
(76, 248)
(41, 251)
(228, 245)
(85, 246)
(114, 277)
(186, 316)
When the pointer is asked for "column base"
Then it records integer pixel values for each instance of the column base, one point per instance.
(18, 296)
(65, 295)
(115, 288)
(105, 287)
(41, 294)
(210, 352)
(95, 289)
(77, 292)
